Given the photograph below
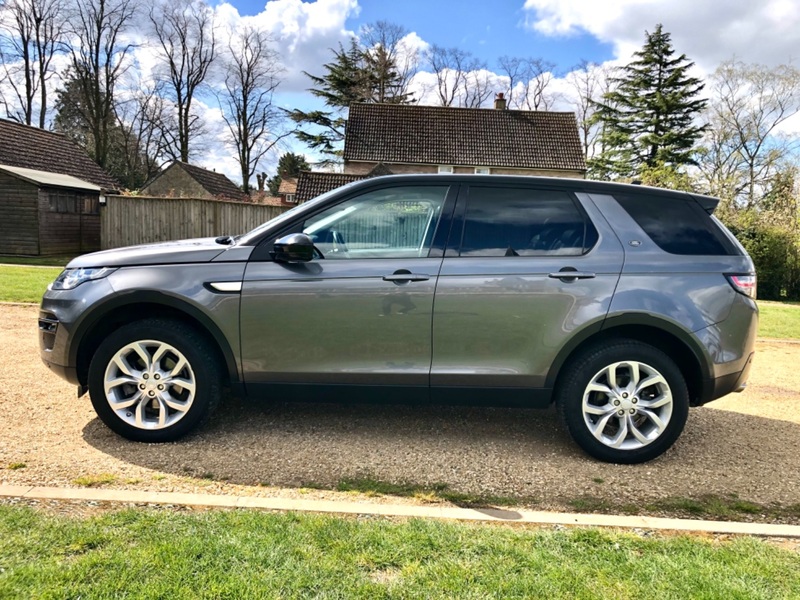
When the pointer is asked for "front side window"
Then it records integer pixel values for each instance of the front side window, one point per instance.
(388, 223)
(524, 222)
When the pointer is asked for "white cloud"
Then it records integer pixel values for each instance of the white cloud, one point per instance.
(304, 32)
(707, 31)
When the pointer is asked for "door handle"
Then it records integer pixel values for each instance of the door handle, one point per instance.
(404, 276)
(568, 274)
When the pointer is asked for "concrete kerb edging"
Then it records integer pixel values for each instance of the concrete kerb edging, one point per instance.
(402, 510)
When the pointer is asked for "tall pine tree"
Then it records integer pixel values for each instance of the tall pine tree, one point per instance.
(649, 120)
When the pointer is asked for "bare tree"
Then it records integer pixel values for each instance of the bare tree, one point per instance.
(461, 79)
(744, 148)
(185, 33)
(393, 62)
(142, 132)
(589, 82)
(31, 34)
(537, 74)
(513, 68)
(478, 88)
(98, 61)
(253, 71)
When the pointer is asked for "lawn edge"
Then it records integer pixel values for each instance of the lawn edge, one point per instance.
(398, 510)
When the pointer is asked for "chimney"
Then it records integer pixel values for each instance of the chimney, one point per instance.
(500, 101)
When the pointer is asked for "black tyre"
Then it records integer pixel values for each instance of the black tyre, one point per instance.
(154, 380)
(623, 401)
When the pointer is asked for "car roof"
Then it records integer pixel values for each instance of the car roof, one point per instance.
(708, 203)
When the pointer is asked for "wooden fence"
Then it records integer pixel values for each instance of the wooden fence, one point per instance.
(130, 220)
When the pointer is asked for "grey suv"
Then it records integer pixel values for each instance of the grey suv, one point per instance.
(624, 305)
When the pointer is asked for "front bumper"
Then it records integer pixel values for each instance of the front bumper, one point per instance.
(60, 314)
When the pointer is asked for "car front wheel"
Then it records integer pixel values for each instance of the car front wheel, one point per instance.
(154, 380)
(623, 401)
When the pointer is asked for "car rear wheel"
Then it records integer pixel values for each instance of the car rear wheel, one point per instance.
(623, 401)
(154, 380)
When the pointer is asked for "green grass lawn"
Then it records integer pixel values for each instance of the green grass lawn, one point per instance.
(25, 284)
(779, 320)
(249, 554)
(43, 261)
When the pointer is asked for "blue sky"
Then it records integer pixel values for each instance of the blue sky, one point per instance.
(561, 32)
(488, 29)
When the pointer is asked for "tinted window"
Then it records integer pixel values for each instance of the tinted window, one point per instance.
(524, 222)
(677, 226)
(394, 222)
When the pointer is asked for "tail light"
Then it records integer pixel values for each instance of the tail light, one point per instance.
(744, 284)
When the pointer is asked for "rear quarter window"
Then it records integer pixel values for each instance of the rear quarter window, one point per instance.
(678, 225)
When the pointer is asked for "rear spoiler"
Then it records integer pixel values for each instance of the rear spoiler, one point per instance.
(708, 203)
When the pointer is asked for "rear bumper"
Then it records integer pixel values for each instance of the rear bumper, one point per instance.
(726, 384)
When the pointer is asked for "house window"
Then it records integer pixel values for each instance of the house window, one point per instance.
(446, 169)
(290, 199)
(482, 170)
(63, 202)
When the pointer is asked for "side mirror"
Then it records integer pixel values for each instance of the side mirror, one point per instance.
(295, 247)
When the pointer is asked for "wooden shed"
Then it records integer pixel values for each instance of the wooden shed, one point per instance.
(43, 213)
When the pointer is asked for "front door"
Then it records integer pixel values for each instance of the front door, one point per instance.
(360, 313)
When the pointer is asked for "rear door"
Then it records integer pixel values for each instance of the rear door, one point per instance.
(527, 267)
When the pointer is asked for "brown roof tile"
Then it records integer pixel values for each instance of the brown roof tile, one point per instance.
(463, 136)
(266, 199)
(288, 185)
(33, 148)
(312, 184)
(214, 183)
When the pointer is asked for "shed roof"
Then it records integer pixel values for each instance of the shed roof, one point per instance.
(46, 178)
(33, 148)
(397, 133)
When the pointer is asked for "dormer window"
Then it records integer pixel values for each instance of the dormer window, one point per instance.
(290, 199)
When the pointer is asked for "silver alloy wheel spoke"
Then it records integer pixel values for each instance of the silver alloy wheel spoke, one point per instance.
(627, 405)
(599, 410)
(656, 402)
(601, 425)
(649, 381)
(616, 442)
(158, 395)
(635, 431)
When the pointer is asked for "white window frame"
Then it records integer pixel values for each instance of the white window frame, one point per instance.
(483, 171)
(290, 199)
(446, 169)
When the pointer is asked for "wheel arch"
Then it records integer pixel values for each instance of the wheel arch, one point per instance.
(676, 342)
(122, 310)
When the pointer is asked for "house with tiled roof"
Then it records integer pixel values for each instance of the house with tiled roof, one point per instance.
(385, 139)
(50, 191)
(182, 180)
(408, 138)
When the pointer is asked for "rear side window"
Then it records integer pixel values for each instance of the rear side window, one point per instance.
(524, 222)
(677, 226)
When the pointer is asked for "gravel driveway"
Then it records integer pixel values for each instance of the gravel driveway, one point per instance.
(747, 444)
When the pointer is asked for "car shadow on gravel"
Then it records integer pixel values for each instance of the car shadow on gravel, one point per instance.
(516, 453)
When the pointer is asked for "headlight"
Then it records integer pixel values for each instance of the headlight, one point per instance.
(72, 278)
